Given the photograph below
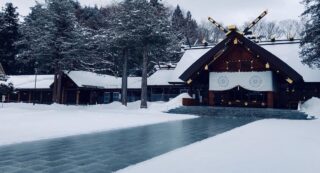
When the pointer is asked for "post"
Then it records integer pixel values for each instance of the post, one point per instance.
(41, 95)
(124, 84)
(77, 97)
(59, 87)
(270, 99)
(62, 96)
(3, 99)
(18, 97)
(90, 97)
(35, 82)
(30, 96)
(211, 98)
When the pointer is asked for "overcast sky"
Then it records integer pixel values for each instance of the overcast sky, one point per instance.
(224, 11)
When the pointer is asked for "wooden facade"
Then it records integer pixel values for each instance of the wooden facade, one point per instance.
(238, 54)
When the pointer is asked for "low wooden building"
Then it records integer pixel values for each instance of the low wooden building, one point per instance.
(84, 88)
(80, 87)
(31, 89)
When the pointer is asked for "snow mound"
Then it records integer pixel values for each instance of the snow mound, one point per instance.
(173, 103)
(311, 107)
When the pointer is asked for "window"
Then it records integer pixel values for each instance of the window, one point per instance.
(116, 96)
(183, 91)
(106, 97)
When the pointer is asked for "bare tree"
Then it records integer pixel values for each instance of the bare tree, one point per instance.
(291, 28)
(209, 32)
(272, 30)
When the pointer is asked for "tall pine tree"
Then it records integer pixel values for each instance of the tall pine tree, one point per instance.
(53, 38)
(8, 36)
(310, 42)
(186, 28)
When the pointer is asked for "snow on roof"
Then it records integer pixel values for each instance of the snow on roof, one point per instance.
(90, 79)
(28, 81)
(289, 53)
(190, 56)
(160, 77)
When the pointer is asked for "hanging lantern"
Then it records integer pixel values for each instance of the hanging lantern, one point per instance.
(206, 67)
(290, 81)
(267, 66)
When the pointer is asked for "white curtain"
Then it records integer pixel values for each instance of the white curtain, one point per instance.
(254, 81)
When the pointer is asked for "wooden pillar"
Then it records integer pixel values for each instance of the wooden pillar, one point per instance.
(270, 99)
(78, 97)
(211, 98)
(19, 96)
(90, 97)
(62, 96)
(8, 98)
(30, 96)
(40, 101)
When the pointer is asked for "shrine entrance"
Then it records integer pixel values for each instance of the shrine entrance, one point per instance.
(240, 97)
(241, 89)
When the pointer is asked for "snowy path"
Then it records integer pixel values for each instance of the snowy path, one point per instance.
(24, 122)
(264, 146)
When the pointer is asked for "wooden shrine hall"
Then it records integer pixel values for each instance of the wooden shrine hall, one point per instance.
(241, 72)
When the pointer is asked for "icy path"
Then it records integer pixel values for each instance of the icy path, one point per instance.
(24, 122)
(264, 146)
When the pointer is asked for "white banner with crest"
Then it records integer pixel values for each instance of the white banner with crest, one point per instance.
(253, 81)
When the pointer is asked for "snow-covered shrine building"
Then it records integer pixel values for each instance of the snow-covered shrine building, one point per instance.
(235, 72)
(240, 72)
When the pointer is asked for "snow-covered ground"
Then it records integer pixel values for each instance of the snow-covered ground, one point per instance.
(24, 122)
(264, 146)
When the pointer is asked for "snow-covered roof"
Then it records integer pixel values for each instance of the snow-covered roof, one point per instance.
(90, 79)
(190, 56)
(28, 81)
(160, 77)
(289, 53)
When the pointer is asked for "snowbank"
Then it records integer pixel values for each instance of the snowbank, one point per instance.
(23, 122)
(173, 103)
(311, 107)
(265, 146)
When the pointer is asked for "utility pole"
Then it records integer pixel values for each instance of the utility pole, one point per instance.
(35, 81)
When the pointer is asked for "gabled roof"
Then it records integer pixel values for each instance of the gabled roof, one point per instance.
(289, 53)
(160, 77)
(274, 61)
(188, 58)
(93, 80)
(28, 81)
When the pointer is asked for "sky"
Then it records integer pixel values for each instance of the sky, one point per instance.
(224, 11)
